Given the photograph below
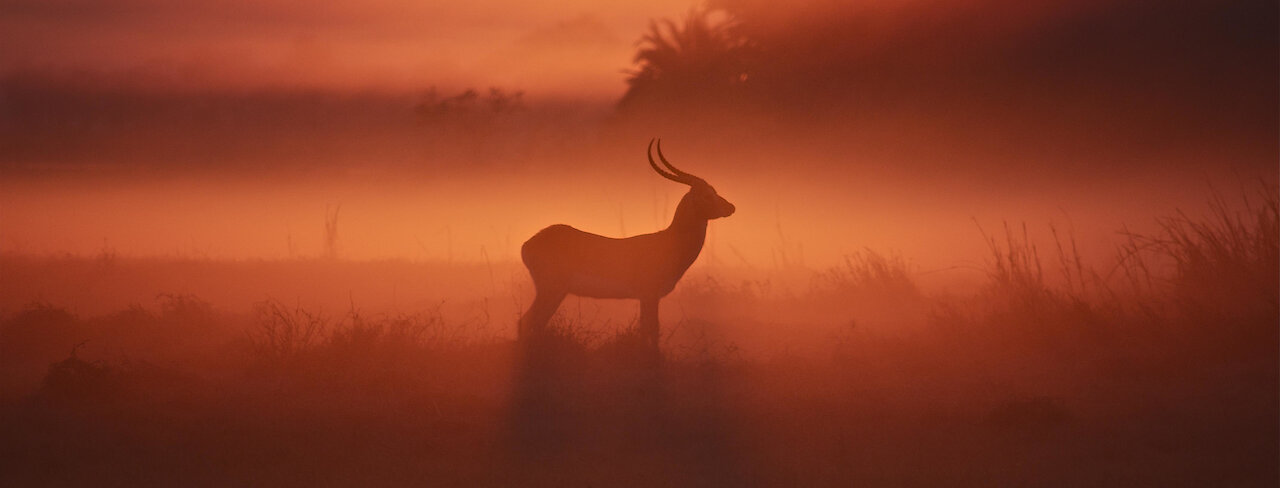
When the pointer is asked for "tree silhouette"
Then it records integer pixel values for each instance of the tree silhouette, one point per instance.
(704, 58)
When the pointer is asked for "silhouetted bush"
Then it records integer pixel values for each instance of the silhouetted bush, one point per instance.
(74, 381)
(702, 61)
(468, 106)
(280, 334)
(40, 331)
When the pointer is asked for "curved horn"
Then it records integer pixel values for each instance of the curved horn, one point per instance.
(685, 178)
(669, 176)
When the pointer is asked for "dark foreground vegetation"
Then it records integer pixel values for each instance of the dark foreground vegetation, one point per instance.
(1161, 370)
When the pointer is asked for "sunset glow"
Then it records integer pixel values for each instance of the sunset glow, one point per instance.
(896, 243)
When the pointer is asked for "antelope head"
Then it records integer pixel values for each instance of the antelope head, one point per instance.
(702, 200)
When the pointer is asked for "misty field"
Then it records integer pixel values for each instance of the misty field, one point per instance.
(1157, 369)
(929, 243)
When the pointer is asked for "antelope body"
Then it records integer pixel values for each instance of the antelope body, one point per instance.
(564, 260)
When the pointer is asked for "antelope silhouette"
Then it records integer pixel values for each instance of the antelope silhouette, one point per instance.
(564, 260)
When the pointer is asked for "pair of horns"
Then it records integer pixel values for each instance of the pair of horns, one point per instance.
(674, 173)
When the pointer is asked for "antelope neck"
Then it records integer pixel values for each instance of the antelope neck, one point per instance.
(688, 233)
(686, 219)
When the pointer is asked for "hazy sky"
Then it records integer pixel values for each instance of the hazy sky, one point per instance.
(574, 46)
(977, 108)
(577, 47)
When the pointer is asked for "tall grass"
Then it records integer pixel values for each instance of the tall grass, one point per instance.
(872, 274)
(1226, 264)
(331, 232)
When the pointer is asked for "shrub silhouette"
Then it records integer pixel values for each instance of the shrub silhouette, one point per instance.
(75, 381)
(703, 58)
(281, 334)
(35, 336)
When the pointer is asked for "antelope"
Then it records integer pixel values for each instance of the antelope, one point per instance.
(564, 260)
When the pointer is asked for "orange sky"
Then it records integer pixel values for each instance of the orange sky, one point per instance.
(574, 46)
(577, 49)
